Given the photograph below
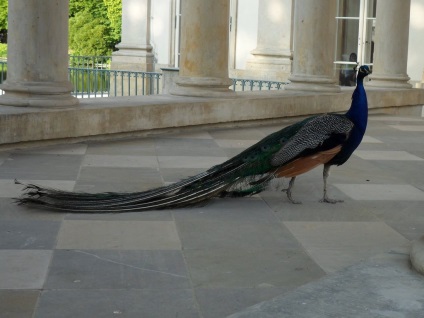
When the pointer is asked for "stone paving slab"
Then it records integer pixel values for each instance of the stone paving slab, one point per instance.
(144, 147)
(220, 302)
(212, 260)
(251, 268)
(28, 234)
(23, 269)
(386, 155)
(128, 303)
(18, 303)
(384, 286)
(41, 167)
(336, 245)
(118, 235)
(120, 161)
(110, 269)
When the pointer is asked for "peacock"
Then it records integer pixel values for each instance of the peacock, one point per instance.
(327, 139)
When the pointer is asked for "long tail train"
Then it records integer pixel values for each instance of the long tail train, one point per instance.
(245, 174)
(233, 178)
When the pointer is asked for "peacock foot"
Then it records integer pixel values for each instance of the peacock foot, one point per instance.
(294, 201)
(289, 196)
(328, 200)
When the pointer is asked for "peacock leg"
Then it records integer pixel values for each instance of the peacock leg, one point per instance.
(325, 198)
(289, 191)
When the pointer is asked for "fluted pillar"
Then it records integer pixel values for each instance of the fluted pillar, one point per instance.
(135, 50)
(271, 59)
(37, 70)
(313, 50)
(204, 49)
(391, 45)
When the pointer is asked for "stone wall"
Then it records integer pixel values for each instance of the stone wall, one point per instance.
(106, 117)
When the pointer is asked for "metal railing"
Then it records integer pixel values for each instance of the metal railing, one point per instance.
(3, 70)
(91, 78)
(256, 85)
(89, 83)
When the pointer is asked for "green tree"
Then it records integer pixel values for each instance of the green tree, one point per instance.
(3, 50)
(3, 15)
(94, 26)
(3, 28)
(95, 7)
(87, 35)
(114, 14)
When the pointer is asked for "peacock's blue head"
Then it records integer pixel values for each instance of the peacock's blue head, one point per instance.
(363, 71)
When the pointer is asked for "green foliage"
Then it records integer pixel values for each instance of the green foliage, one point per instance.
(94, 26)
(95, 7)
(3, 50)
(87, 35)
(3, 14)
(114, 14)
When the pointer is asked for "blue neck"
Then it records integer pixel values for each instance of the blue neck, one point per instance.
(358, 112)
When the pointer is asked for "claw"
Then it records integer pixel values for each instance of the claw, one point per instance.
(328, 200)
(289, 192)
(325, 198)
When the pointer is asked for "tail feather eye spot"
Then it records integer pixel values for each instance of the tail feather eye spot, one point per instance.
(265, 147)
(250, 158)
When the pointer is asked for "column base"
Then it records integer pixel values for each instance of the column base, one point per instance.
(417, 255)
(202, 87)
(38, 94)
(389, 81)
(312, 83)
(131, 59)
(269, 64)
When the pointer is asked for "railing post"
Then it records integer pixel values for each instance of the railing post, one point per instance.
(169, 75)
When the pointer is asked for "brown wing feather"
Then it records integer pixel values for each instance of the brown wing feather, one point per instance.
(304, 164)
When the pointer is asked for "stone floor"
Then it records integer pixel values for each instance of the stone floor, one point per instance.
(211, 261)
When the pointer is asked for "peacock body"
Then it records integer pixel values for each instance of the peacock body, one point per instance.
(328, 139)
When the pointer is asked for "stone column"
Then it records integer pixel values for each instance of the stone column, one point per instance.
(391, 45)
(314, 43)
(204, 49)
(37, 70)
(271, 59)
(135, 53)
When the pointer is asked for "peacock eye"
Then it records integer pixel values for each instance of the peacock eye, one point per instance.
(265, 147)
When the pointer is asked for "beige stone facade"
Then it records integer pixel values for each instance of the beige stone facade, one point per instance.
(38, 56)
